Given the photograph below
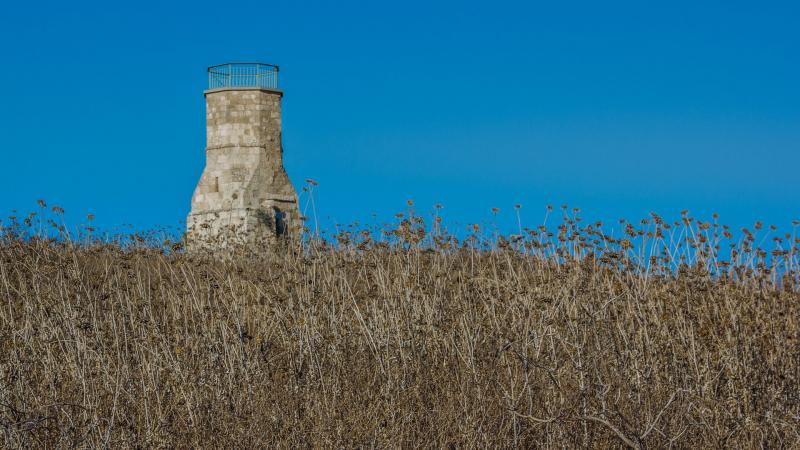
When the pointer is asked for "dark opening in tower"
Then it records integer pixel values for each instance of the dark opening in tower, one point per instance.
(280, 222)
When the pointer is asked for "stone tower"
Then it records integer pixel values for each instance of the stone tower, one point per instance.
(244, 195)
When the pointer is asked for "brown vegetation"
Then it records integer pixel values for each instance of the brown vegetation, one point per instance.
(404, 338)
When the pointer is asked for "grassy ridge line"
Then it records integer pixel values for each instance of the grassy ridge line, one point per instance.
(417, 340)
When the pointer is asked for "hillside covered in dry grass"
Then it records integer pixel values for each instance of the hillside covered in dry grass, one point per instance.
(404, 337)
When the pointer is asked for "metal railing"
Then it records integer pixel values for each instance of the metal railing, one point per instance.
(243, 75)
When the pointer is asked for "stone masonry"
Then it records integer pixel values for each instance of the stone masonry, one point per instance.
(244, 194)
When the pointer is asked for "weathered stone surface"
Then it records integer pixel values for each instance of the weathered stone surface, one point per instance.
(244, 193)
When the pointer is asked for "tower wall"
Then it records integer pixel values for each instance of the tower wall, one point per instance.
(244, 194)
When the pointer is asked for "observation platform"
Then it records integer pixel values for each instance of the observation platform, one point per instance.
(243, 76)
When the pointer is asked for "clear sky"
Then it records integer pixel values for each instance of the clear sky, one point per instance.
(619, 108)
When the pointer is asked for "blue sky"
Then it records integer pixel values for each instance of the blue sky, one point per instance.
(619, 108)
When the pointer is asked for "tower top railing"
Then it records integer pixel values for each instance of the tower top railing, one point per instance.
(243, 75)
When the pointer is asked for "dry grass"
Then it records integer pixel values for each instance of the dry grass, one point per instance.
(576, 339)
